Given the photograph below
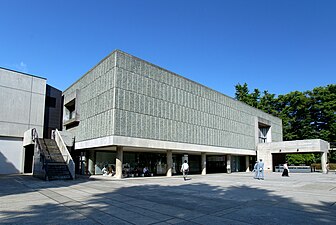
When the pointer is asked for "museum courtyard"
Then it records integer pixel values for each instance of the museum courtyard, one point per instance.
(237, 198)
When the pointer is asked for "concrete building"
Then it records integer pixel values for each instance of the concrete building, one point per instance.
(126, 114)
(27, 102)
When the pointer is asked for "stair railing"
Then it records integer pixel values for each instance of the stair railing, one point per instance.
(65, 153)
(40, 162)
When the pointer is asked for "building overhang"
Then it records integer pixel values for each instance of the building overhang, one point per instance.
(298, 146)
(156, 145)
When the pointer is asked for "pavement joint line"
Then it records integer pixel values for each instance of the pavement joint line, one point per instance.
(172, 217)
(163, 221)
(73, 208)
(129, 196)
(332, 189)
(130, 207)
(63, 204)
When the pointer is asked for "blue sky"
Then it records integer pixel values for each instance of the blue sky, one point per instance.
(279, 46)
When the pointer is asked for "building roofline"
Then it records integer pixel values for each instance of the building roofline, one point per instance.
(125, 53)
(27, 74)
(195, 82)
(91, 69)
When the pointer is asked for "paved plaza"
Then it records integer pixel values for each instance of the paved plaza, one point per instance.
(212, 199)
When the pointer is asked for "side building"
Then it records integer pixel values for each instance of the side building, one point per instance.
(27, 102)
(127, 114)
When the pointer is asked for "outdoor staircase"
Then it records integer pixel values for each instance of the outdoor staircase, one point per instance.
(55, 166)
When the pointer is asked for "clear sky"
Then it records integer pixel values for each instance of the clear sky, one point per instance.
(279, 46)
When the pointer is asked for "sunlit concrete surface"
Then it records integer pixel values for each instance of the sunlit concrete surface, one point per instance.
(213, 199)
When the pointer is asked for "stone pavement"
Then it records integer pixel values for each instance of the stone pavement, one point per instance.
(234, 198)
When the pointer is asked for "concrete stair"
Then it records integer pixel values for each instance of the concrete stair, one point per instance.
(56, 168)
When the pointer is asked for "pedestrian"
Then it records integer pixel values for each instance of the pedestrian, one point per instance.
(185, 169)
(260, 169)
(255, 170)
(285, 172)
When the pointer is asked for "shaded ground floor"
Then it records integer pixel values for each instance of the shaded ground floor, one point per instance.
(157, 163)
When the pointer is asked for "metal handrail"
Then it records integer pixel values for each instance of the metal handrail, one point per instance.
(38, 147)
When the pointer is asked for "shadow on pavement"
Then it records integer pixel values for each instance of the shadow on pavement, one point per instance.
(120, 202)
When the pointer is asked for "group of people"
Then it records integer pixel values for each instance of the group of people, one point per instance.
(259, 170)
(108, 171)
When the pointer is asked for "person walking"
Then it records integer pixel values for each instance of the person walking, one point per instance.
(285, 172)
(255, 170)
(260, 169)
(185, 169)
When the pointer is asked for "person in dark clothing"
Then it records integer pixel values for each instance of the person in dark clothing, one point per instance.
(285, 171)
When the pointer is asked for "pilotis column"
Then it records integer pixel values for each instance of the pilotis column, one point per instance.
(169, 163)
(91, 162)
(247, 162)
(203, 161)
(324, 158)
(119, 162)
(228, 163)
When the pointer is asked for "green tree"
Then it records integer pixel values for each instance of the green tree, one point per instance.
(297, 159)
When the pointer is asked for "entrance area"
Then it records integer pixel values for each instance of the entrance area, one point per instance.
(140, 164)
(216, 164)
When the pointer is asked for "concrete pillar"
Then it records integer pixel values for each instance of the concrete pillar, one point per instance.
(169, 163)
(228, 163)
(119, 162)
(247, 162)
(324, 158)
(91, 162)
(203, 161)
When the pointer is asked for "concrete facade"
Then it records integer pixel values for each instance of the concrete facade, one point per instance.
(127, 97)
(23, 96)
(126, 101)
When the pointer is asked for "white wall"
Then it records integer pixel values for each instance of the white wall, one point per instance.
(22, 98)
(11, 155)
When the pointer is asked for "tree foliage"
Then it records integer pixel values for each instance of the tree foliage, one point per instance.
(305, 115)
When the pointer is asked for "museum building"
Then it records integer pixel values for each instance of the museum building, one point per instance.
(127, 114)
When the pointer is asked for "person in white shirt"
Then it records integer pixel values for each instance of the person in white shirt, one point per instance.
(185, 169)
(105, 171)
(285, 171)
(260, 168)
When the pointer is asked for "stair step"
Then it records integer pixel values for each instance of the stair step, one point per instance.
(56, 168)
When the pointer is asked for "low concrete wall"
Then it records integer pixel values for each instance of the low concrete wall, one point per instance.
(265, 150)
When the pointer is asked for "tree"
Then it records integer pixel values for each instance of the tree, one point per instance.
(297, 159)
